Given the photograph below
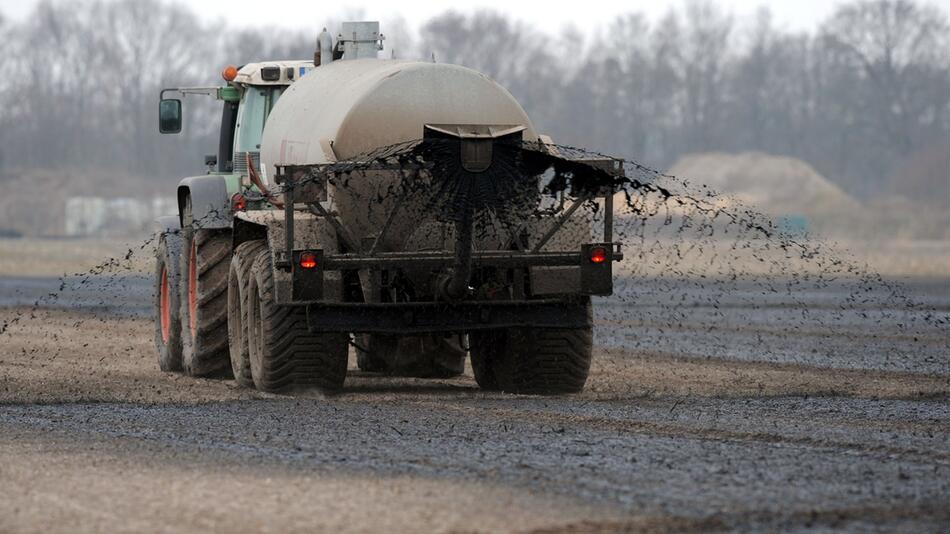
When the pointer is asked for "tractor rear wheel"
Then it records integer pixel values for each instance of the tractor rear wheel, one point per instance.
(284, 354)
(205, 261)
(239, 277)
(167, 317)
(544, 361)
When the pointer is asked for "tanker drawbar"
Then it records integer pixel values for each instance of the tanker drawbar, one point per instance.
(409, 209)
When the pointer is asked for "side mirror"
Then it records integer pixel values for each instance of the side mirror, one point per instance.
(169, 116)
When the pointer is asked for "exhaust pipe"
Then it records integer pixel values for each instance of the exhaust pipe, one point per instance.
(323, 55)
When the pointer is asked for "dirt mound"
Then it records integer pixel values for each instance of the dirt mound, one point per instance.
(776, 185)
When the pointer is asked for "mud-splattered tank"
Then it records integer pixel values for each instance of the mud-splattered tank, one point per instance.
(348, 108)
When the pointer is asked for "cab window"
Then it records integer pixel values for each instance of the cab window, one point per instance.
(252, 114)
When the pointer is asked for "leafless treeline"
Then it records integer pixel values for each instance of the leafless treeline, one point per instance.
(865, 98)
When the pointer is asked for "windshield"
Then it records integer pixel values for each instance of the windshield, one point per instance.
(255, 107)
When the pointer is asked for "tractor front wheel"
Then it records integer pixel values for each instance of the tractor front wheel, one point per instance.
(167, 318)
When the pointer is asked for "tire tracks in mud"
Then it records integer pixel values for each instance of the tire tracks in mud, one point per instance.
(696, 432)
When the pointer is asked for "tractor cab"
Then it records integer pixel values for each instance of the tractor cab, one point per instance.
(250, 94)
(259, 87)
(252, 91)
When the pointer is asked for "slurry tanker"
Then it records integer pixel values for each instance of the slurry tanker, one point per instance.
(407, 209)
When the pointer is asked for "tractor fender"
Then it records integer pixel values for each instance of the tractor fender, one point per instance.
(166, 224)
(210, 202)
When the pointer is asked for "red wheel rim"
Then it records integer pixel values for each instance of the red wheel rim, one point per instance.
(164, 310)
(193, 291)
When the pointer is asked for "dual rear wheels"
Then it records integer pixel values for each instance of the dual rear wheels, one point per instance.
(167, 307)
(208, 300)
(271, 346)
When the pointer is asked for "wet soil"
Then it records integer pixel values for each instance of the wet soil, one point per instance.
(668, 436)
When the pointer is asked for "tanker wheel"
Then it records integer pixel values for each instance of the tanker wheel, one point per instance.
(372, 350)
(238, 278)
(285, 356)
(167, 318)
(205, 262)
(421, 356)
(544, 361)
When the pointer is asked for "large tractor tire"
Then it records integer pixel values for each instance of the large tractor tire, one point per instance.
(542, 361)
(167, 308)
(424, 356)
(285, 356)
(239, 278)
(205, 261)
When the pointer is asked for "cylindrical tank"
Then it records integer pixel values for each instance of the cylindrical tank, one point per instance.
(348, 108)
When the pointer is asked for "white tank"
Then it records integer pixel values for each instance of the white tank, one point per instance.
(357, 106)
(349, 108)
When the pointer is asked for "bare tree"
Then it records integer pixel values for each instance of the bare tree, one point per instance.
(891, 54)
(866, 99)
(510, 52)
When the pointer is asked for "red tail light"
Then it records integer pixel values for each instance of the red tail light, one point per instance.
(238, 202)
(308, 260)
(598, 255)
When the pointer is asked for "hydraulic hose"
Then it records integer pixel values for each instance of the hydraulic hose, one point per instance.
(455, 286)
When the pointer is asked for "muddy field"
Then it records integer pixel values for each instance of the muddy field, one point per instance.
(755, 425)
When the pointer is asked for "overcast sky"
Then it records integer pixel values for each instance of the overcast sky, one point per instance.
(548, 16)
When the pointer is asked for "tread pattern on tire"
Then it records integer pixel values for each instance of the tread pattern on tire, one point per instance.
(239, 277)
(285, 356)
(206, 353)
(535, 361)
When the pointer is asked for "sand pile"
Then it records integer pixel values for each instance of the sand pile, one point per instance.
(775, 185)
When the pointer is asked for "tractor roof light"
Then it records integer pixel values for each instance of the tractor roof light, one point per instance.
(270, 74)
(229, 73)
(308, 260)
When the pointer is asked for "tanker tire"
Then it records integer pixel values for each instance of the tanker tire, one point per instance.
(285, 356)
(238, 278)
(371, 351)
(421, 356)
(205, 337)
(167, 308)
(542, 361)
(483, 351)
